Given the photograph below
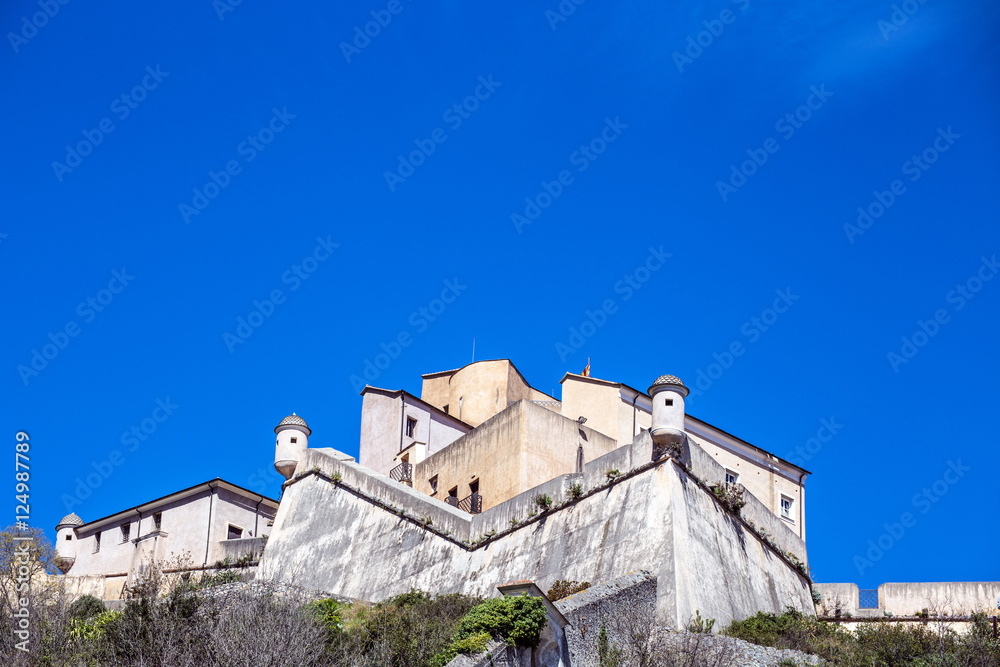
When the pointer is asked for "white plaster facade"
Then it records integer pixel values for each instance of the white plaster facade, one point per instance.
(196, 522)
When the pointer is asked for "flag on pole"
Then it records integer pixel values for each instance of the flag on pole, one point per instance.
(586, 371)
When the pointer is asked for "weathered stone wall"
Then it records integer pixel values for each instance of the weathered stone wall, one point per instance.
(625, 608)
(365, 536)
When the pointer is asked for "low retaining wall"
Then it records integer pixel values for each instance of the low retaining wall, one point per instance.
(956, 598)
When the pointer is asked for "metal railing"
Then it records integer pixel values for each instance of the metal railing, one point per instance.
(472, 504)
(402, 473)
(868, 598)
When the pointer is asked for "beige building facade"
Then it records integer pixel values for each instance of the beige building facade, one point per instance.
(204, 523)
(479, 435)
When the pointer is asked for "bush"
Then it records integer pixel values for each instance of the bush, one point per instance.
(701, 625)
(730, 496)
(517, 619)
(575, 491)
(86, 607)
(562, 589)
(543, 501)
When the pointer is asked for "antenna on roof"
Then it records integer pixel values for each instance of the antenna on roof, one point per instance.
(473, 350)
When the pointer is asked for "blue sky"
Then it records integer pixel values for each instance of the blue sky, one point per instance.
(180, 166)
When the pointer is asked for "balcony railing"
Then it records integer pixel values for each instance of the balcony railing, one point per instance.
(472, 504)
(402, 473)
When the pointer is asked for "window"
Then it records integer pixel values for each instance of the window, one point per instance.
(474, 486)
(434, 485)
(97, 543)
(69, 537)
(453, 493)
(668, 401)
(156, 520)
(411, 426)
(786, 507)
(294, 440)
(732, 477)
(126, 529)
(445, 408)
(235, 532)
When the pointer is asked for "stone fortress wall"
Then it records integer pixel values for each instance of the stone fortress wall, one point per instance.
(344, 529)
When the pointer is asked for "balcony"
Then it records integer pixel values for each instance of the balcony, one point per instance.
(472, 504)
(402, 473)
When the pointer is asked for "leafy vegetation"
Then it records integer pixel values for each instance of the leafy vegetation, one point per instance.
(699, 624)
(562, 589)
(544, 501)
(882, 644)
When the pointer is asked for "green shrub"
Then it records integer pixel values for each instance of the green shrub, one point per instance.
(613, 474)
(85, 607)
(517, 619)
(575, 491)
(543, 501)
(608, 655)
(795, 631)
(562, 589)
(328, 612)
(700, 625)
(471, 645)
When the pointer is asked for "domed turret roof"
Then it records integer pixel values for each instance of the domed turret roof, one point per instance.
(294, 420)
(70, 520)
(670, 381)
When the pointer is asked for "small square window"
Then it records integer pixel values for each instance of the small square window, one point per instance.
(294, 440)
(732, 477)
(234, 533)
(411, 426)
(69, 537)
(786, 507)
(433, 481)
(126, 529)
(668, 401)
